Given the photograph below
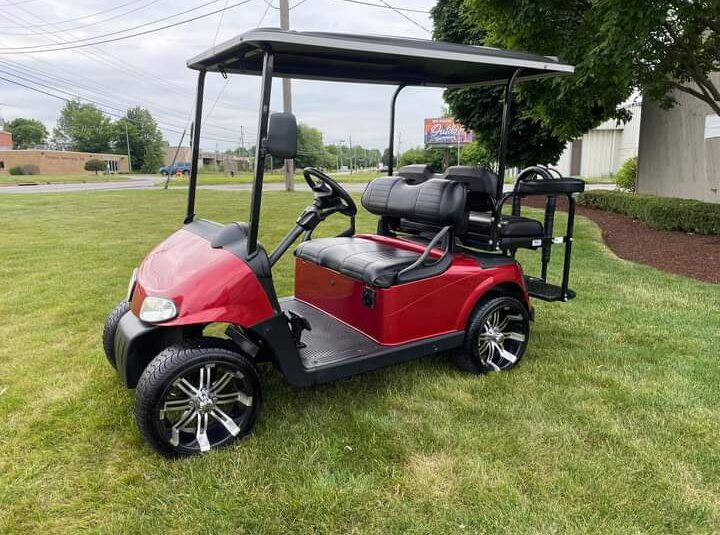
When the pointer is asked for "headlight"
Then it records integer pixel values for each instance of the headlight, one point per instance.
(156, 309)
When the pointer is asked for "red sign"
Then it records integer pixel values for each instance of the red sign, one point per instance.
(445, 131)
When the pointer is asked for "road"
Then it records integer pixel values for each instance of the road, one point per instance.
(153, 182)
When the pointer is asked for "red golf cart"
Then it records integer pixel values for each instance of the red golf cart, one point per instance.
(439, 275)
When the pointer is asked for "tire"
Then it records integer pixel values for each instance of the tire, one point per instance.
(197, 396)
(110, 328)
(496, 337)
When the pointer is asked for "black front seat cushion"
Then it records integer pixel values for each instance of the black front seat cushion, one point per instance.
(365, 260)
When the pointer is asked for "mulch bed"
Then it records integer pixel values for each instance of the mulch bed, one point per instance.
(693, 255)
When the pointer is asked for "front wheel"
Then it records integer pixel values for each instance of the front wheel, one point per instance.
(197, 396)
(497, 336)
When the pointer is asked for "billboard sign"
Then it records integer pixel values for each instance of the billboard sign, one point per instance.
(446, 132)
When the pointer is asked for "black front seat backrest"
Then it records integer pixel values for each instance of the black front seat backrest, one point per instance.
(436, 202)
(481, 185)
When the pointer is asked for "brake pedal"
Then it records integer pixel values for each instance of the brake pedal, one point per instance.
(298, 324)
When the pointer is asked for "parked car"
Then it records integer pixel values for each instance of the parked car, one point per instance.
(183, 168)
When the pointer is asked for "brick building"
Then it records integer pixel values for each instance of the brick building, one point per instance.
(6, 142)
(53, 162)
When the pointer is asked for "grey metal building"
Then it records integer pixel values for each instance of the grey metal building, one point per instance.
(679, 152)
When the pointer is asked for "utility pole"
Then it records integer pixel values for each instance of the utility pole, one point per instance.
(352, 160)
(127, 140)
(287, 96)
(177, 151)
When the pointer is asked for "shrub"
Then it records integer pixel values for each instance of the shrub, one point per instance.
(95, 165)
(626, 177)
(662, 213)
(26, 169)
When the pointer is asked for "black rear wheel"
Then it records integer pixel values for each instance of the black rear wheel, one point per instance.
(110, 328)
(197, 396)
(497, 336)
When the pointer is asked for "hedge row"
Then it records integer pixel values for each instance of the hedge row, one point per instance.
(27, 169)
(663, 213)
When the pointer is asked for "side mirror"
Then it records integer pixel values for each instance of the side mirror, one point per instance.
(281, 140)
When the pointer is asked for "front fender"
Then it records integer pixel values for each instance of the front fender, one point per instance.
(208, 285)
(137, 343)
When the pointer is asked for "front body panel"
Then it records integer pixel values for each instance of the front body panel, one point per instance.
(207, 284)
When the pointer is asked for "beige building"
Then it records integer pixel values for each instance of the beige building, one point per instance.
(184, 155)
(209, 159)
(680, 150)
(54, 162)
(602, 151)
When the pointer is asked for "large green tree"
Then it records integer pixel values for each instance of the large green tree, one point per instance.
(27, 133)
(480, 109)
(84, 128)
(146, 140)
(617, 47)
(311, 150)
(432, 157)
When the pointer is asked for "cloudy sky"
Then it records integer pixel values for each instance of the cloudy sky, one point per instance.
(150, 70)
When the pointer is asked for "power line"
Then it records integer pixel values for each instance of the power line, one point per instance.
(107, 60)
(267, 8)
(222, 15)
(403, 15)
(93, 23)
(79, 43)
(17, 3)
(388, 6)
(119, 66)
(91, 15)
(103, 107)
(36, 77)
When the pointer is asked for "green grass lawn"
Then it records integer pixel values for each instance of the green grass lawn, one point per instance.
(611, 424)
(10, 180)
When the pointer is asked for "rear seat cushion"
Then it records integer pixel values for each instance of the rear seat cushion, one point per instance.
(510, 226)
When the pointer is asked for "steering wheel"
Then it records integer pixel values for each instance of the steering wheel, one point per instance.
(328, 193)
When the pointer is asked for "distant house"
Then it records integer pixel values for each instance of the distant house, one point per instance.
(603, 150)
(680, 150)
(6, 142)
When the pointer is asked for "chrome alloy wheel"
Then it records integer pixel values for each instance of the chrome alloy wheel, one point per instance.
(502, 338)
(206, 406)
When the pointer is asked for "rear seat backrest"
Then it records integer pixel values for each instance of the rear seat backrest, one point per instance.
(435, 201)
(416, 173)
(481, 185)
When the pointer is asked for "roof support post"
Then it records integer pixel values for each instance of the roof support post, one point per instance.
(192, 188)
(505, 133)
(391, 142)
(260, 152)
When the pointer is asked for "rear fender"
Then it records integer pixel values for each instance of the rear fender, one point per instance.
(506, 282)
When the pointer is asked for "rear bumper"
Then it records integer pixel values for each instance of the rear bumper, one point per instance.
(137, 343)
